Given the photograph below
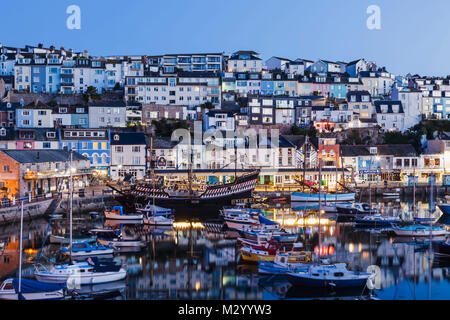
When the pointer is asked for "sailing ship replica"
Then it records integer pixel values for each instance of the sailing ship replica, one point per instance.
(184, 196)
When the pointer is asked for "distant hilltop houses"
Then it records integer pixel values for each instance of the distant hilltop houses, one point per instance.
(106, 108)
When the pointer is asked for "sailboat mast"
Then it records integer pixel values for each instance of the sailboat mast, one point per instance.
(320, 203)
(304, 163)
(71, 200)
(414, 191)
(20, 250)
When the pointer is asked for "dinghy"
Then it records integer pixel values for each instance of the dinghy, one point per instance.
(30, 290)
(116, 213)
(327, 197)
(83, 249)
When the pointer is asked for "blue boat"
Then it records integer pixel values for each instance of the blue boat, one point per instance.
(31, 290)
(335, 275)
(284, 263)
(376, 220)
(326, 197)
(420, 231)
(86, 249)
(445, 208)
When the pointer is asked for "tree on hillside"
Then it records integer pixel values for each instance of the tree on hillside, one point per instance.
(164, 128)
(91, 93)
(353, 138)
(312, 133)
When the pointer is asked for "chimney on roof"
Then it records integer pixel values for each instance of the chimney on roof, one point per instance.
(86, 53)
(40, 45)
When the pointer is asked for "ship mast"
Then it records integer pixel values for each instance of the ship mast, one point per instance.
(190, 164)
(152, 170)
(71, 201)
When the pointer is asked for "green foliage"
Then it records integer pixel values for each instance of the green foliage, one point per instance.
(117, 86)
(164, 128)
(91, 93)
(52, 103)
(312, 133)
(353, 138)
(208, 105)
(414, 135)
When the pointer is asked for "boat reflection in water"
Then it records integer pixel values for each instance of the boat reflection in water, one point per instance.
(199, 259)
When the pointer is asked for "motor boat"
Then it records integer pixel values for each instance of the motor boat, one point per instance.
(116, 213)
(83, 249)
(376, 220)
(326, 197)
(349, 212)
(31, 290)
(332, 275)
(66, 240)
(285, 262)
(238, 220)
(158, 221)
(269, 251)
(153, 210)
(157, 216)
(91, 271)
(420, 231)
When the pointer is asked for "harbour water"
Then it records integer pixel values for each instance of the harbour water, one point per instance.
(199, 259)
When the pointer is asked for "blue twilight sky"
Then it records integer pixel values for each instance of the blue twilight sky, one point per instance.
(414, 34)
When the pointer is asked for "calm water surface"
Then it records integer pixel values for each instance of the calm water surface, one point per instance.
(200, 260)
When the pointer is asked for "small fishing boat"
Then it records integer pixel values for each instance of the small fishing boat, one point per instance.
(31, 290)
(153, 210)
(66, 239)
(92, 271)
(269, 251)
(156, 216)
(285, 262)
(158, 221)
(328, 197)
(115, 239)
(116, 213)
(239, 220)
(269, 235)
(391, 194)
(334, 275)
(82, 249)
(445, 208)
(420, 231)
(376, 220)
(348, 213)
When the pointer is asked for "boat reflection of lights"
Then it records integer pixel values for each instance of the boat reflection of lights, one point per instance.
(185, 225)
(301, 221)
(350, 247)
(30, 251)
(324, 250)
